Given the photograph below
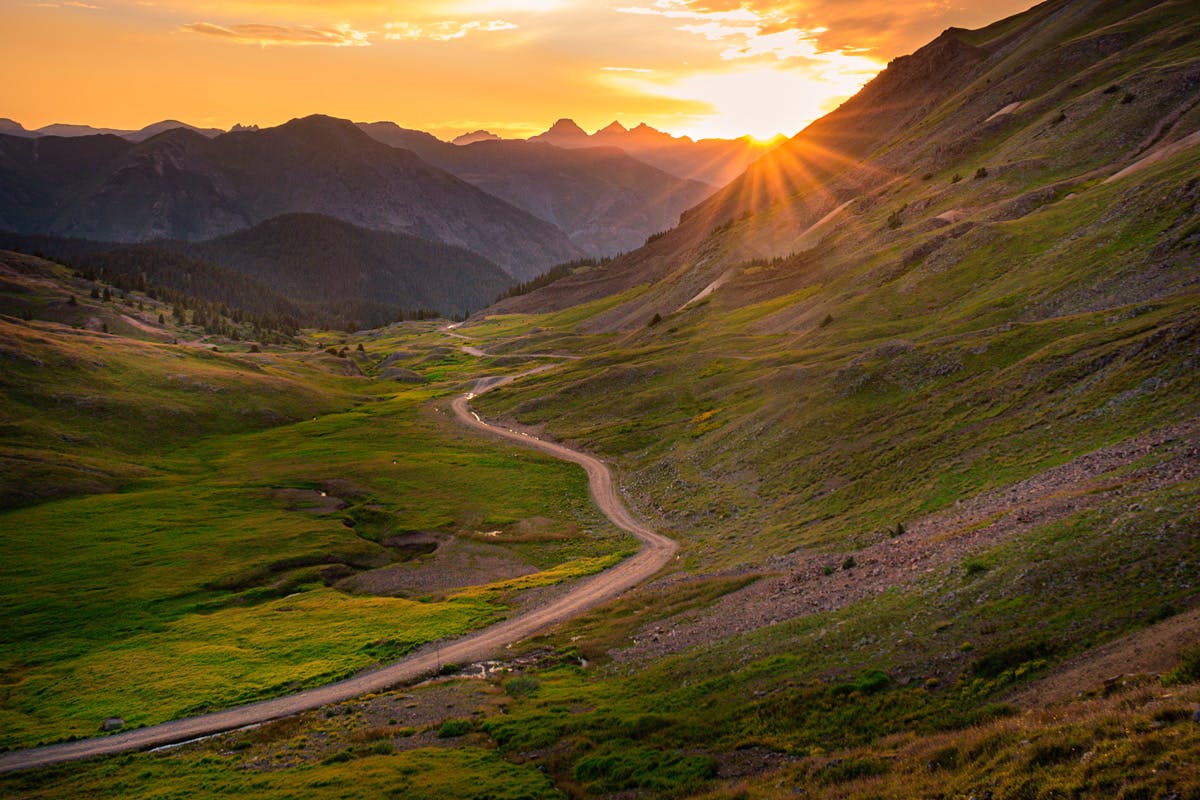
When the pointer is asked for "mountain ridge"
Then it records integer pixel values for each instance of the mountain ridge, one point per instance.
(604, 199)
(180, 184)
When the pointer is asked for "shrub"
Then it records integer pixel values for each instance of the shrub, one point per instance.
(956, 178)
(996, 662)
(825, 323)
(843, 771)
(522, 686)
(452, 728)
(618, 766)
(867, 682)
(1188, 670)
(981, 173)
(974, 566)
(657, 318)
(849, 563)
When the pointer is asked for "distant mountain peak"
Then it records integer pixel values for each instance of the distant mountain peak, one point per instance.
(566, 125)
(13, 128)
(565, 131)
(475, 136)
(612, 127)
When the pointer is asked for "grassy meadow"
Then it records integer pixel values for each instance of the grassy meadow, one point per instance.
(242, 487)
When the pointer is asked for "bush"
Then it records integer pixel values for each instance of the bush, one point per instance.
(657, 318)
(849, 563)
(974, 566)
(956, 178)
(868, 682)
(843, 771)
(452, 728)
(522, 686)
(618, 766)
(997, 662)
(981, 173)
(1188, 670)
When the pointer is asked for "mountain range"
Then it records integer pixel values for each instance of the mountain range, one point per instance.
(605, 200)
(182, 185)
(12, 128)
(712, 161)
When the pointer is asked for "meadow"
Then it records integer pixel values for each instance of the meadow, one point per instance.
(207, 575)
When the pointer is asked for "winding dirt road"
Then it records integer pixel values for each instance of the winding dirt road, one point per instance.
(656, 551)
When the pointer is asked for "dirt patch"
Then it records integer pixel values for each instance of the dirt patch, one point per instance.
(1008, 109)
(310, 501)
(816, 582)
(1157, 155)
(1152, 651)
(456, 564)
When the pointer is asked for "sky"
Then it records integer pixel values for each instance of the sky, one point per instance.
(702, 68)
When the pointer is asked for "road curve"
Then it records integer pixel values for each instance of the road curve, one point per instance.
(655, 552)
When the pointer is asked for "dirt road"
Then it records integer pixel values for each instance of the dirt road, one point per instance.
(656, 551)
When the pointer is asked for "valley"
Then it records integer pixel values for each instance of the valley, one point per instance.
(344, 461)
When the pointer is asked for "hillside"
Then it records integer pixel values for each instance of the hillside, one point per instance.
(970, 142)
(317, 260)
(312, 268)
(606, 201)
(182, 185)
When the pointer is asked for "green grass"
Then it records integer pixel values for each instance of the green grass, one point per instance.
(196, 587)
(423, 774)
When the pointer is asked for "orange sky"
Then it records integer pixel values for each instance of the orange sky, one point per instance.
(716, 68)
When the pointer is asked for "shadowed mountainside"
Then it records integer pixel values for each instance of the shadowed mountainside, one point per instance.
(603, 199)
(314, 268)
(182, 185)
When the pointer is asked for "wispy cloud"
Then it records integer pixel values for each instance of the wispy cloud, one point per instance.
(70, 4)
(444, 31)
(746, 32)
(264, 34)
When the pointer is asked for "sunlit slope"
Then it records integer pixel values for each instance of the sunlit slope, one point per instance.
(946, 152)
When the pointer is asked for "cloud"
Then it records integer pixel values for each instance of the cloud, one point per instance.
(444, 31)
(626, 69)
(745, 31)
(70, 4)
(264, 34)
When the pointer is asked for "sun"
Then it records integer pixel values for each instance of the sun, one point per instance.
(763, 102)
